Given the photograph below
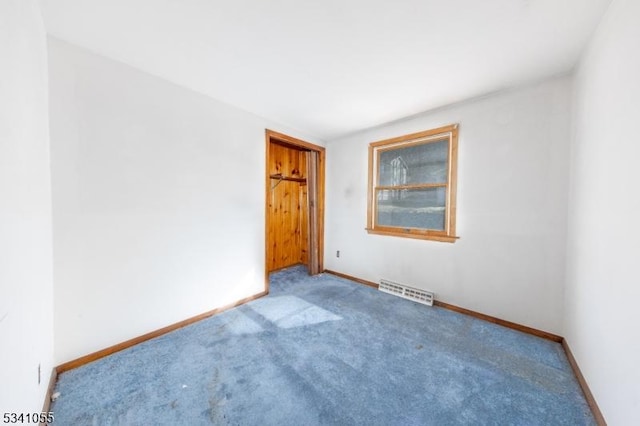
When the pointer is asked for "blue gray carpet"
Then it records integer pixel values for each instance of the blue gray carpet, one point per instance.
(326, 351)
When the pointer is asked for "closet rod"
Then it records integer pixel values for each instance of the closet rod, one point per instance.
(292, 179)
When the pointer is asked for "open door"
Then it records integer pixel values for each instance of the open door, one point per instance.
(294, 204)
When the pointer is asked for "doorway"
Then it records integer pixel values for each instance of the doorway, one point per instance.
(294, 204)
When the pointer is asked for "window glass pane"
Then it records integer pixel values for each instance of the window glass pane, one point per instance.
(422, 208)
(425, 163)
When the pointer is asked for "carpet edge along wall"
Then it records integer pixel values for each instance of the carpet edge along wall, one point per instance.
(303, 354)
(157, 333)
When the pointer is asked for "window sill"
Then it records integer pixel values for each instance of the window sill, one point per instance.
(415, 235)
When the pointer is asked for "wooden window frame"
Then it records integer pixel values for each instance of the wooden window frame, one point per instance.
(420, 138)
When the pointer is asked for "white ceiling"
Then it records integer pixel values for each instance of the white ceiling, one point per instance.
(332, 67)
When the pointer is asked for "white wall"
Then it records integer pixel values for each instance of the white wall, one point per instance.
(603, 279)
(158, 201)
(26, 286)
(512, 187)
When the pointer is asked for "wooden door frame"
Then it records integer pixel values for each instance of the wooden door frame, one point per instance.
(272, 136)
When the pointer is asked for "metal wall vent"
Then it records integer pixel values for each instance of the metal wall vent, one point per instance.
(420, 296)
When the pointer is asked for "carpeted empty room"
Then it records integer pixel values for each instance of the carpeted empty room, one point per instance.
(302, 212)
(322, 350)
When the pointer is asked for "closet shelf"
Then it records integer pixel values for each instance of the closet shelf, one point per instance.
(289, 178)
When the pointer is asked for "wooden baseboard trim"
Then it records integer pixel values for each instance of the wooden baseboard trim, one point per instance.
(351, 278)
(489, 318)
(504, 323)
(583, 385)
(136, 340)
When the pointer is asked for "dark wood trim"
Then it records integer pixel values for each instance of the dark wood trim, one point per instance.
(132, 342)
(370, 210)
(414, 233)
(436, 133)
(349, 277)
(489, 318)
(267, 214)
(46, 406)
(583, 385)
(289, 140)
(504, 323)
(320, 181)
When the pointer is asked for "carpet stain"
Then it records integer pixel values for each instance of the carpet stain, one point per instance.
(217, 398)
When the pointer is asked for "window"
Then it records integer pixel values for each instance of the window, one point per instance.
(412, 185)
